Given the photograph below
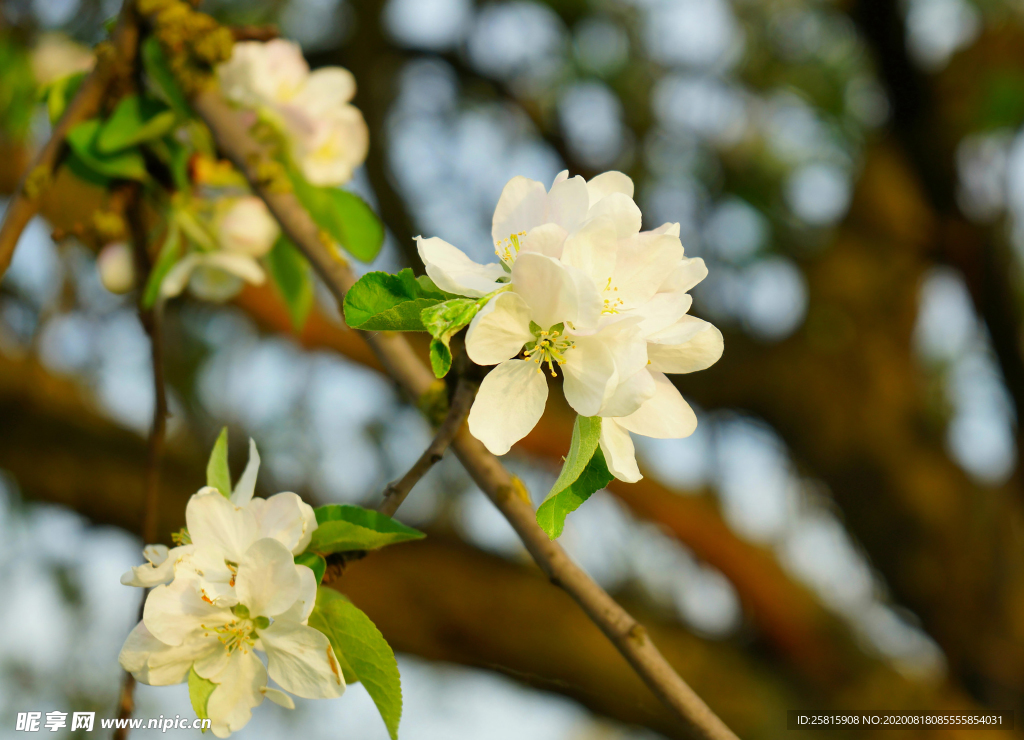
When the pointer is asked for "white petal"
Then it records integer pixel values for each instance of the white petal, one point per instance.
(643, 262)
(177, 277)
(155, 663)
(239, 265)
(300, 660)
(155, 554)
(246, 485)
(267, 582)
(619, 453)
(510, 403)
(682, 330)
(239, 689)
(454, 272)
(629, 395)
(589, 374)
(686, 274)
(500, 330)
(665, 416)
(568, 203)
(548, 288)
(560, 177)
(662, 311)
(216, 523)
(608, 183)
(545, 239)
(327, 87)
(303, 606)
(667, 228)
(176, 613)
(155, 573)
(627, 345)
(279, 697)
(519, 209)
(622, 211)
(285, 517)
(592, 249)
(700, 352)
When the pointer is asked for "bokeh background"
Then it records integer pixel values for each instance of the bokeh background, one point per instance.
(843, 531)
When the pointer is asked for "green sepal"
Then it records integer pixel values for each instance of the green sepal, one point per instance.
(199, 691)
(443, 320)
(345, 216)
(314, 562)
(217, 473)
(347, 528)
(380, 301)
(362, 651)
(123, 165)
(440, 358)
(290, 273)
(584, 472)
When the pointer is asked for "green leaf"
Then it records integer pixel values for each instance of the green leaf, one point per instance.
(199, 690)
(443, 320)
(314, 562)
(343, 215)
(217, 473)
(383, 302)
(440, 358)
(290, 273)
(168, 257)
(584, 472)
(358, 643)
(134, 120)
(155, 63)
(344, 528)
(125, 165)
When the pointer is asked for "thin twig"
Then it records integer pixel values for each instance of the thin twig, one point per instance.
(506, 492)
(152, 322)
(87, 101)
(396, 492)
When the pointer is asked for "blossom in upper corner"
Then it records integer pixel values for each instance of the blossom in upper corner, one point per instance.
(216, 269)
(327, 135)
(579, 285)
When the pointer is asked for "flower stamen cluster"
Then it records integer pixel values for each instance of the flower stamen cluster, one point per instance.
(549, 348)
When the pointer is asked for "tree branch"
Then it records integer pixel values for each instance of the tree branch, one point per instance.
(396, 492)
(505, 492)
(86, 103)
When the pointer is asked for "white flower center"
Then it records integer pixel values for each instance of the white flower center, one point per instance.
(507, 249)
(550, 347)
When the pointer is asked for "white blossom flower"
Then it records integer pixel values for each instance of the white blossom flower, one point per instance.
(56, 55)
(247, 227)
(578, 284)
(273, 600)
(327, 136)
(212, 276)
(116, 266)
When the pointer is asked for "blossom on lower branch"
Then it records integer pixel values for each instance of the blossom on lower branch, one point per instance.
(232, 591)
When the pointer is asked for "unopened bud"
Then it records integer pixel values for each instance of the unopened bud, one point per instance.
(248, 228)
(117, 268)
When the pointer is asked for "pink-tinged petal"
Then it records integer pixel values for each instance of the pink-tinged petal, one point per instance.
(698, 353)
(619, 453)
(509, 404)
(589, 375)
(267, 582)
(622, 211)
(545, 239)
(239, 690)
(500, 330)
(454, 272)
(629, 395)
(519, 209)
(301, 660)
(246, 485)
(607, 183)
(666, 415)
(215, 523)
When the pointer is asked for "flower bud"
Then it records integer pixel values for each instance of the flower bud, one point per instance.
(248, 228)
(117, 267)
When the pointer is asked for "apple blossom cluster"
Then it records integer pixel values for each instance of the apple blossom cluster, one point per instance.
(578, 285)
(327, 137)
(232, 591)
